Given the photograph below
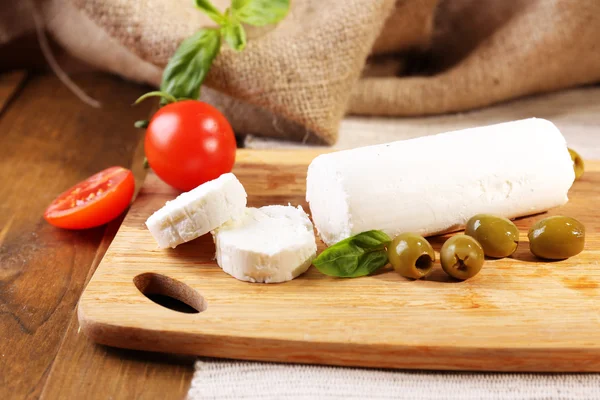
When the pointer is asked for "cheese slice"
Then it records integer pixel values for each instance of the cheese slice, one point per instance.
(197, 212)
(268, 244)
(433, 184)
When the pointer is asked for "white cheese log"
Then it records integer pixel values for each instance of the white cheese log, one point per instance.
(197, 212)
(268, 244)
(433, 184)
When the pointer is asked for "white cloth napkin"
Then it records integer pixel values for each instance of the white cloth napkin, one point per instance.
(264, 381)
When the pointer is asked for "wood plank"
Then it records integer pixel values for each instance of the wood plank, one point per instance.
(519, 314)
(50, 140)
(102, 372)
(10, 83)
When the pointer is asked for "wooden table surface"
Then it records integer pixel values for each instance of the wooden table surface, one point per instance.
(49, 140)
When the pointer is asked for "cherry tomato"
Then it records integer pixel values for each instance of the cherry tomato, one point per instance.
(97, 200)
(188, 143)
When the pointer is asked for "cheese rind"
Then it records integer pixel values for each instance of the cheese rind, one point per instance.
(269, 244)
(197, 212)
(436, 183)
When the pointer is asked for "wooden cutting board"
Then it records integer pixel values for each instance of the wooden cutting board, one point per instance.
(518, 314)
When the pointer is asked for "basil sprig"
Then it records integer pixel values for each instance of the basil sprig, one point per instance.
(355, 256)
(212, 11)
(184, 74)
(260, 12)
(188, 67)
(235, 35)
(230, 27)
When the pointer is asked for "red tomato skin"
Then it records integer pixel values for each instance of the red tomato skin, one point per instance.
(98, 211)
(188, 143)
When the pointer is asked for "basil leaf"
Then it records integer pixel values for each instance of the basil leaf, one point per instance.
(338, 260)
(211, 11)
(234, 34)
(371, 240)
(371, 262)
(355, 256)
(260, 12)
(188, 67)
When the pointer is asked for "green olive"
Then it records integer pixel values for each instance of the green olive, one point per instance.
(498, 236)
(578, 164)
(556, 237)
(462, 257)
(411, 255)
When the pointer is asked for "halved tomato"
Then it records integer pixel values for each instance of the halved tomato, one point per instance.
(97, 200)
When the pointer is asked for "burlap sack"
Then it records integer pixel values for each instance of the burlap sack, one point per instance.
(296, 80)
(487, 51)
(303, 70)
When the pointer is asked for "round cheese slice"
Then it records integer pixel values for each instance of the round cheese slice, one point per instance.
(199, 211)
(268, 244)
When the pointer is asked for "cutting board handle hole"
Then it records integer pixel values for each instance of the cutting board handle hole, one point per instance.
(170, 293)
